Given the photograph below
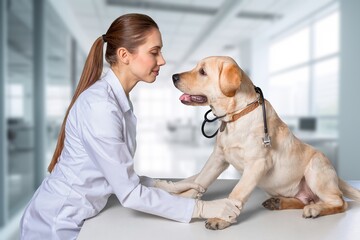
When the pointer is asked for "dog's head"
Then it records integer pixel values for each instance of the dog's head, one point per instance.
(214, 81)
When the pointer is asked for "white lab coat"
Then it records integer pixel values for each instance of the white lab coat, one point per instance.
(97, 161)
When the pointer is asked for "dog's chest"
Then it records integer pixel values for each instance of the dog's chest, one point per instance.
(236, 149)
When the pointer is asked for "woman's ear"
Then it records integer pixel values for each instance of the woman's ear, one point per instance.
(123, 55)
(229, 79)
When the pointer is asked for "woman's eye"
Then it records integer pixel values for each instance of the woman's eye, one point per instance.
(202, 72)
(154, 52)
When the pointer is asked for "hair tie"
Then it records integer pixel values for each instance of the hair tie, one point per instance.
(103, 37)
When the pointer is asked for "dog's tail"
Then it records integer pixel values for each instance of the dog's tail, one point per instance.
(349, 191)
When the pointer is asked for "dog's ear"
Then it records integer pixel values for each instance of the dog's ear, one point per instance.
(229, 79)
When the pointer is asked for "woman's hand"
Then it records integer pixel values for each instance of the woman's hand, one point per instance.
(178, 187)
(225, 209)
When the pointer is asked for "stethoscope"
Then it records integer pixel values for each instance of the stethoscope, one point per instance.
(207, 120)
(266, 139)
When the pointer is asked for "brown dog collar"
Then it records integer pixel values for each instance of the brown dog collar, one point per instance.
(249, 108)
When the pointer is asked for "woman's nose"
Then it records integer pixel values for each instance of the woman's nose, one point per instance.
(161, 61)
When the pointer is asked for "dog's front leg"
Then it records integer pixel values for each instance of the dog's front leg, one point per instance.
(215, 165)
(251, 176)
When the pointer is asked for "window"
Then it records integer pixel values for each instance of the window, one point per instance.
(57, 100)
(304, 68)
(290, 51)
(326, 36)
(291, 97)
(16, 100)
(326, 87)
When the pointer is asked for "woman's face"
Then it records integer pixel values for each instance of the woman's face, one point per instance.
(145, 63)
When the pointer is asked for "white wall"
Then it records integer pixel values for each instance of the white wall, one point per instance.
(349, 117)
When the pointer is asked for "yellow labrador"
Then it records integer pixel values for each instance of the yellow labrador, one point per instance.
(296, 175)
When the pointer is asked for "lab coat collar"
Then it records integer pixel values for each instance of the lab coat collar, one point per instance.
(118, 90)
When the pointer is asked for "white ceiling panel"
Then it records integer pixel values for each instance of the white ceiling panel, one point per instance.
(191, 29)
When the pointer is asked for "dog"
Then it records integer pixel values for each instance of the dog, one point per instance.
(294, 174)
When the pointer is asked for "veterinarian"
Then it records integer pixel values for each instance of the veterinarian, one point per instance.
(94, 154)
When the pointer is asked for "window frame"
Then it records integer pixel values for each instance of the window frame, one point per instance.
(312, 61)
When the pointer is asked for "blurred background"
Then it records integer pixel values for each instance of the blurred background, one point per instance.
(304, 54)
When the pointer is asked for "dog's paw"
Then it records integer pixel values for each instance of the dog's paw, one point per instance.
(272, 204)
(311, 211)
(216, 224)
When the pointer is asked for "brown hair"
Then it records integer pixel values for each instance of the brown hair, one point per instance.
(128, 31)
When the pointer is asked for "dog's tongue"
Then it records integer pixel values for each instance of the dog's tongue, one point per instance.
(187, 98)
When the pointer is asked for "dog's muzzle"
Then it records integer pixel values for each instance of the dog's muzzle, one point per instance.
(175, 78)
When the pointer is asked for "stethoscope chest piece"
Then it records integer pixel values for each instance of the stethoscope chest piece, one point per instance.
(207, 120)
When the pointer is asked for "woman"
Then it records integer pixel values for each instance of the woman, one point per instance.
(94, 154)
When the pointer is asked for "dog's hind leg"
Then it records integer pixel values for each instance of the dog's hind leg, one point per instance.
(325, 208)
(282, 203)
(330, 200)
(321, 177)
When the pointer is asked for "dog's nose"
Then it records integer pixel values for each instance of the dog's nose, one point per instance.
(176, 77)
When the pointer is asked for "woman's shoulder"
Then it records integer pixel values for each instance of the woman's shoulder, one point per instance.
(97, 97)
(96, 92)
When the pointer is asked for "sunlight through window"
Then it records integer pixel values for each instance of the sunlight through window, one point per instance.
(304, 69)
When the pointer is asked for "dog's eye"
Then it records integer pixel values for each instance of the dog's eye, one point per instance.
(202, 72)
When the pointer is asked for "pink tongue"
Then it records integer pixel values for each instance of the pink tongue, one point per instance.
(185, 97)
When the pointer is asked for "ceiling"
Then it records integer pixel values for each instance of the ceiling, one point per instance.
(191, 29)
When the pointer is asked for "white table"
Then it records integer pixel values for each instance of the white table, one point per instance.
(254, 222)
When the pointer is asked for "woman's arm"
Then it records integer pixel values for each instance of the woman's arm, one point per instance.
(102, 137)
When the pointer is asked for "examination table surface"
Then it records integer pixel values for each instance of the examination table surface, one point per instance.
(255, 222)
